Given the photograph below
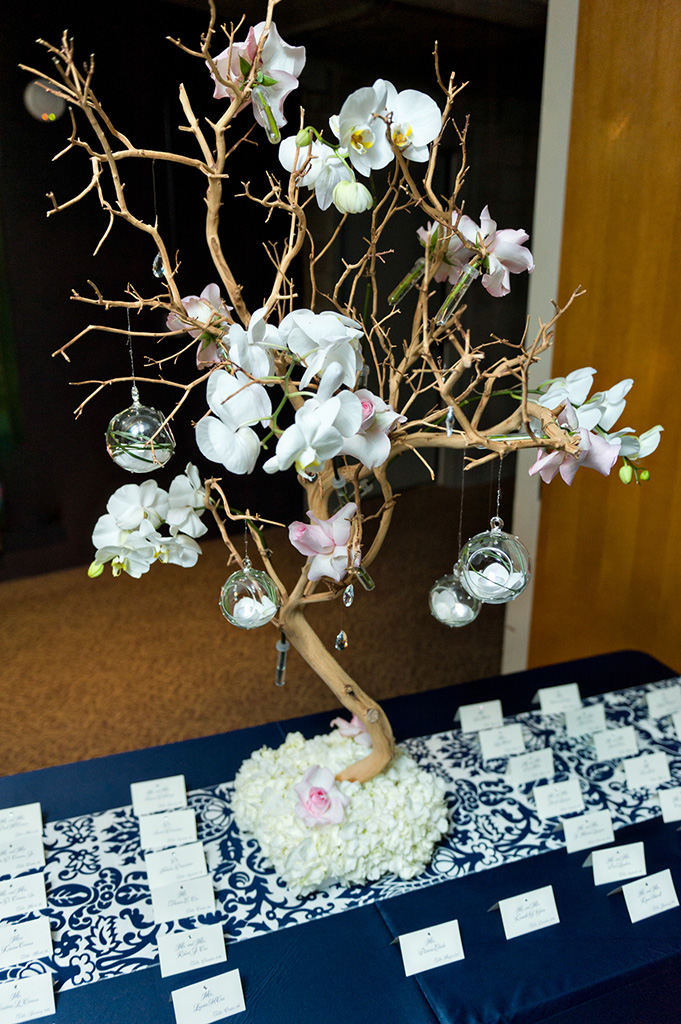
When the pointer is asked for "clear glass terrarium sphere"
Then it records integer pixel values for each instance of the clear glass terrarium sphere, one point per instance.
(450, 602)
(249, 598)
(134, 441)
(495, 567)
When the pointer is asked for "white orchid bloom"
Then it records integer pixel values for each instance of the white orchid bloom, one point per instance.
(133, 503)
(574, 388)
(228, 436)
(604, 408)
(371, 444)
(320, 340)
(130, 551)
(415, 121)
(456, 256)
(317, 434)
(180, 550)
(326, 169)
(633, 447)
(185, 504)
(361, 131)
(251, 350)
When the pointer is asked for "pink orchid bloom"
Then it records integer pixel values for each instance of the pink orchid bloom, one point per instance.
(371, 444)
(355, 728)
(595, 452)
(325, 542)
(206, 308)
(320, 801)
(506, 254)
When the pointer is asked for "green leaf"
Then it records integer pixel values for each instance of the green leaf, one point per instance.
(245, 66)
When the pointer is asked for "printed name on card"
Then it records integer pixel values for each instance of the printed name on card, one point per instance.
(670, 802)
(613, 743)
(535, 764)
(209, 1000)
(555, 699)
(647, 771)
(585, 831)
(664, 701)
(187, 951)
(476, 717)
(649, 896)
(502, 742)
(164, 867)
(19, 855)
(25, 999)
(528, 912)
(183, 899)
(676, 720)
(431, 947)
(617, 862)
(170, 828)
(555, 799)
(585, 721)
(20, 822)
(23, 895)
(156, 795)
(30, 940)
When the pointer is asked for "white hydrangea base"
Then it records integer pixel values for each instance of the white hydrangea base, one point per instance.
(391, 823)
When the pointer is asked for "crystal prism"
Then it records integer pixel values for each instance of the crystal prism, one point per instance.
(341, 640)
(348, 595)
(157, 267)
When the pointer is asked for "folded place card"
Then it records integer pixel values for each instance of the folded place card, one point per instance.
(476, 717)
(183, 899)
(158, 795)
(210, 1000)
(664, 702)
(585, 721)
(535, 764)
(502, 742)
(175, 865)
(585, 831)
(26, 999)
(19, 822)
(555, 699)
(614, 743)
(651, 895)
(170, 828)
(431, 947)
(30, 940)
(670, 802)
(617, 862)
(647, 771)
(528, 912)
(187, 951)
(555, 799)
(23, 895)
(19, 855)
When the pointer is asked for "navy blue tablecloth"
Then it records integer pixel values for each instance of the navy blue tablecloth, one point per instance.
(593, 967)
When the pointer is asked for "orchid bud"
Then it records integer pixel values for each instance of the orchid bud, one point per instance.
(96, 569)
(644, 475)
(303, 138)
(626, 473)
(352, 197)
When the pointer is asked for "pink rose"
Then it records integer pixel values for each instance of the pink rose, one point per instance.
(320, 802)
(355, 727)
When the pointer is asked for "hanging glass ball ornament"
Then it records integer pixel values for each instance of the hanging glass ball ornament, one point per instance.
(137, 440)
(450, 602)
(249, 598)
(495, 567)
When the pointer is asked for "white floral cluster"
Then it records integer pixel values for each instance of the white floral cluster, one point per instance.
(391, 823)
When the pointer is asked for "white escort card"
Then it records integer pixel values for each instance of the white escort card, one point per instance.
(176, 865)
(585, 831)
(21, 821)
(647, 771)
(187, 951)
(183, 899)
(171, 828)
(431, 947)
(19, 855)
(157, 795)
(209, 1000)
(22, 895)
(555, 699)
(613, 743)
(617, 862)
(502, 742)
(585, 721)
(528, 912)
(26, 999)
(555, 799)
(27, 941)
(476, 717)
(535, 764)
(664, 702)
(649, 896)
(670, 802)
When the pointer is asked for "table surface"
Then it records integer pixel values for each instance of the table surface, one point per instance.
(591, 967)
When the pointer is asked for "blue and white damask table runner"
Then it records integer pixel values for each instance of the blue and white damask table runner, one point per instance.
(99, 903)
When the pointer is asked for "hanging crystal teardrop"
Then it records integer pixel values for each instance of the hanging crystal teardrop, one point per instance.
(449, 422)
(157, 267)
(348, 595)
(341, 640)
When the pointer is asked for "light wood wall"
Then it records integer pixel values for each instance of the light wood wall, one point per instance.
(608, 572)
